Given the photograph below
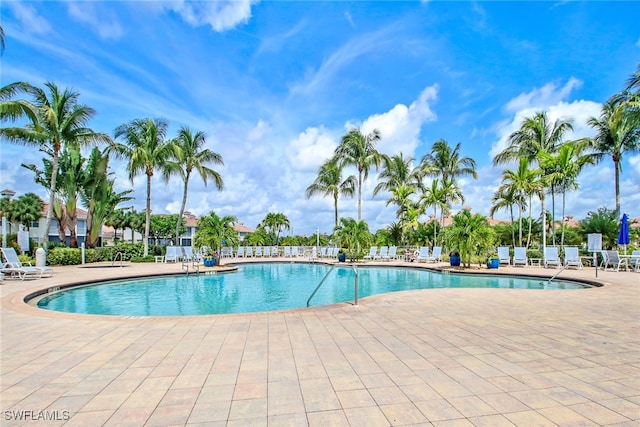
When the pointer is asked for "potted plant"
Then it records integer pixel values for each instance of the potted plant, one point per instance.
(210, 259)
(342, 257)
(492, 260)
(454, 258)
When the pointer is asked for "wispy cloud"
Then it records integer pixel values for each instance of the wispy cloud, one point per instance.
(275, 42)
(99, 19)
(540, 97)
(30, 20)
(220, 15)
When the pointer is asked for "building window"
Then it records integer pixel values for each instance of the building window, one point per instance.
(34, 224)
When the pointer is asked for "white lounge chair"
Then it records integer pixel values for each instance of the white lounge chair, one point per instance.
(503, 255)
(392, 254)
(435, 255)
(423, 254)
(294, 251)
(572, 257)
(613, 258)
(258, 252)
(287, 251)
(520, 256)
(274, 251)
(551, 257)
(14, 267)
(373, 252)
(240, 252)
(173, 254)
(248, 252)
(323, 252)
(227, 252)
(634, 261)
(384, 251)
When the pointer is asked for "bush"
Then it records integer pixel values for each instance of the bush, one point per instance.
(64, 256)
(148, 258)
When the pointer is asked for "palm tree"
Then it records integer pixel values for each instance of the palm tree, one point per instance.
(397, 171)
(353, 236)
(434, 196)
(536, 134)
(359, 150)
(618, 133)
(520, 181)
(472, 234)
(213, 230)
(275, 223)
(564, 168)
(329, 182)
(191, 156)
(2, 43)
(55, 119)
(146, 150)
(445, 163)
(504, 198)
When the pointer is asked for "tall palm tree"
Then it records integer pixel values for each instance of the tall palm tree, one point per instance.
(359, 150)
(396, 171)
(275, 223)
(146, 150)
(434, 196)
(446, 163)
(618, 133)
(536, 134)
(329, 182)
(564, 168)
(521, 181)
(505, 197)
(189, 156)
(55, 119)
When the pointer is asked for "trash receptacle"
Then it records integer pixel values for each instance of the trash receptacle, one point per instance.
(41, 258)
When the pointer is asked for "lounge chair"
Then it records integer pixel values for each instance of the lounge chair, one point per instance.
(435, 255)
(384, 251)
(373, 252)
(248, 252)
(520, 256)
(634, 261)
(173, 254)
(15, 267)
(274, 251)
(240, 252)
(258, 252)
(227, 252)
(323, 252)
(613, 258)
(551, 257)
(287, 251)
(503, 255)
(572, 258)
(423, 254)
(392, 254)
(294, 251)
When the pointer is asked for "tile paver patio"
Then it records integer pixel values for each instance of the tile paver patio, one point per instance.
(484, 357)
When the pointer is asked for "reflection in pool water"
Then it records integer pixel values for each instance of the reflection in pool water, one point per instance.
(266, 287)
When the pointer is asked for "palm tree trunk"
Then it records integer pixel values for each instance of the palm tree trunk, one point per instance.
(513, 231)
(616, 165)
(553, 215)
(435, 226)
(520, 224)
(544, 224)
(530, 221)
(335, 209)
(147, 224)
(182, 207)
(52, 190)
(359, 195)
(563, 221)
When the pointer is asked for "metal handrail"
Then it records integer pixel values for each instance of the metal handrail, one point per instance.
(115, 257)
(320, 284)
(556, 275)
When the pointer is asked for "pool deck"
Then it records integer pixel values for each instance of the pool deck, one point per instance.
(436, 357)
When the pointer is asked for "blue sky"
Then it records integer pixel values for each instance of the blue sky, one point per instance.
(274, 85)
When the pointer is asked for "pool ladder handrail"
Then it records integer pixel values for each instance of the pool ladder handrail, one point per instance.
(325, 278)
(558, 273)
(115, 258)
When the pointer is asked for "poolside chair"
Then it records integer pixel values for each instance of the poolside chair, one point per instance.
(274, 251)
(294, 251)
(572, 258)
(323, 252)
(227, 252)
(423, 254)
(634, 261)
(258, 252)
(373, 252)
(613, 258)
(15, 267)
(240, 252)
(248, 252)
(520, 256)
(551, 257)
(384, 251)
(172, 254)
(287, 251)
(392, 254)
(503, 255)
(435, 255)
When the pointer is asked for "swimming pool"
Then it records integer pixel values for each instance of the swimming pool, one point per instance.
(266, 287)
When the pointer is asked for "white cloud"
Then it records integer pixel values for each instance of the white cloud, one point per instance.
(540, 98)
(311, 148)
(30, 20)
(102, 21)
(220, 15)
(400, 127)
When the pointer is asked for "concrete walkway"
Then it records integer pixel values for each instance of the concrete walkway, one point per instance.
(438, 357)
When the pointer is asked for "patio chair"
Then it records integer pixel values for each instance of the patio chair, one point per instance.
(503, 255)
(384, 251)
(392, 254)
(572, 258)
(227, 252)
(551, 257)
(520, 256)
(248, 252)
(634, 261)
(287, 251)
(613, 258)
(240, 252)
(15, 267)
(423, 254)
(373, 252)
(258, 252)
(435, 255)
(173, 254)
(323, 252)
(294, 251)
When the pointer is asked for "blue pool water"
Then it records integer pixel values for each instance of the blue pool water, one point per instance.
(265, 287)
